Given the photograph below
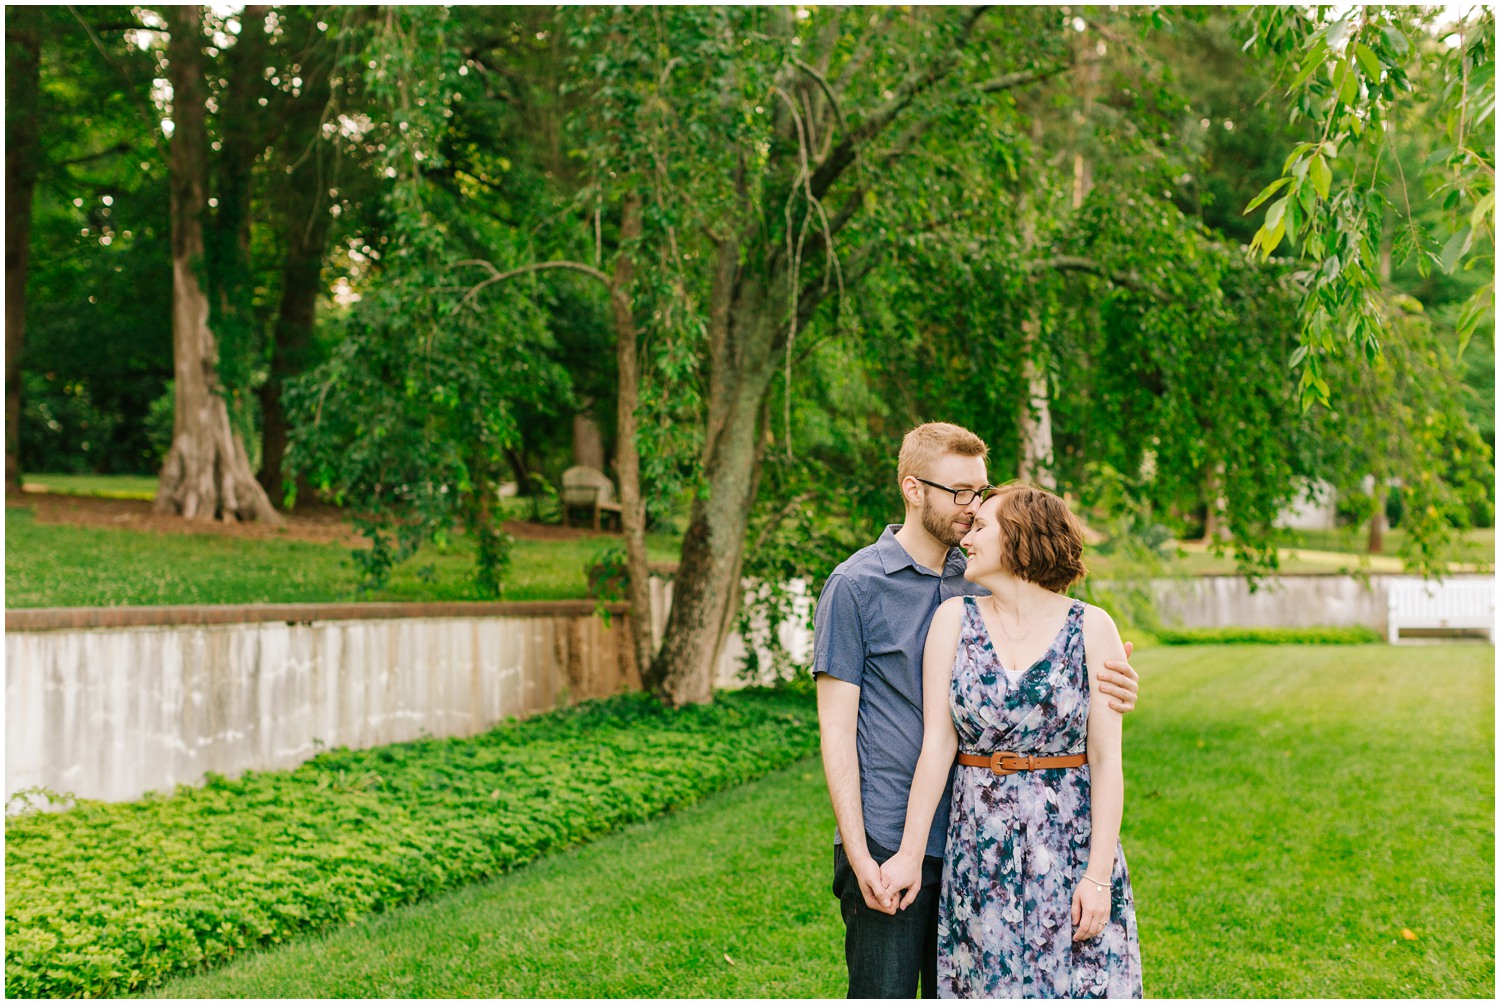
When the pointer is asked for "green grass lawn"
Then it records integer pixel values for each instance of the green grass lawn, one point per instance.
(1290, 814)
(53, 565)
(109, 486)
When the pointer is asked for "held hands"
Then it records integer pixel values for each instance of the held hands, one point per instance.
(903, 876)
(878, 894)
(1090, 910)
(1120, 682)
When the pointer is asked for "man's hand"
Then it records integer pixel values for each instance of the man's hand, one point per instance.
(878, 895)
(1120, 683)
(903, 876)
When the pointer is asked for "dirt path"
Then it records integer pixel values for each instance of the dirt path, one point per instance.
(318, 524)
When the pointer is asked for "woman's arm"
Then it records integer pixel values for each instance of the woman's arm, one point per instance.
(939, 747)
(1091, 904)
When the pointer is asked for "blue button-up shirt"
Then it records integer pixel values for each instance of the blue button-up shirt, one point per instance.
(869, 630)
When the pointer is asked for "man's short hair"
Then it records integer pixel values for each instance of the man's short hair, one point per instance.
(925, 445)
(1041, 540)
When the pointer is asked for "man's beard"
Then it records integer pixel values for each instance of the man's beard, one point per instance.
(942, 529)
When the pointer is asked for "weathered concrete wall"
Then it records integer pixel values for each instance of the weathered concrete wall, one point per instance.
(110, 712)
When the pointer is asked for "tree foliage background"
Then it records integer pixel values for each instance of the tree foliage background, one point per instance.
(749, 247)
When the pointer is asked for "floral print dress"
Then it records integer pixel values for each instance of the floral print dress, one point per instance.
(1018, 844)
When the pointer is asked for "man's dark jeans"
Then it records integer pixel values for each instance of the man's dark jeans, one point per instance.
(886, 954)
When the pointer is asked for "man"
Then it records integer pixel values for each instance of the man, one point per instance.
(868, 636)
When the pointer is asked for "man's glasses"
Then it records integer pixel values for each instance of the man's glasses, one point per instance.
(961, 496)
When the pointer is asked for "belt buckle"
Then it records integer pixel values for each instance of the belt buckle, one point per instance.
(1005, 763)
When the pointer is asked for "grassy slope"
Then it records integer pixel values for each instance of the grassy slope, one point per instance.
(48, 565)
(1289, 812)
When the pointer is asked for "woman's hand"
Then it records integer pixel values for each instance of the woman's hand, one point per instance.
(902, 874)
(1090, 910)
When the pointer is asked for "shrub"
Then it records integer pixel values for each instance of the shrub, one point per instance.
(1270, 636)
(111, 898)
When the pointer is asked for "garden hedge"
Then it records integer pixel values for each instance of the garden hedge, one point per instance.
(106, 899)
(1271, 636)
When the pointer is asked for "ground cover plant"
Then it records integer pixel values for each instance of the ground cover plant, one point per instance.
(53, 565)
(104, 899)
(1282, 841)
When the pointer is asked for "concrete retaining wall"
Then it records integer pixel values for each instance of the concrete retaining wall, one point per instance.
(144, 701)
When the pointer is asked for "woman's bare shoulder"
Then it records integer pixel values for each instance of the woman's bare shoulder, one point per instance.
(1099, 627)
(949, 611)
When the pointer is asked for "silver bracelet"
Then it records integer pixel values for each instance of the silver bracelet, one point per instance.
(1101, 886)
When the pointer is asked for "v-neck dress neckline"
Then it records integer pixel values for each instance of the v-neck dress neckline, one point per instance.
(1017, 675)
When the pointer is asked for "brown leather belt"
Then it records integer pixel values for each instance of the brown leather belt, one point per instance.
(1010, 763)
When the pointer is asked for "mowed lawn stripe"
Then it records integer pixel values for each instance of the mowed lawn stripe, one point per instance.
(1292, 814)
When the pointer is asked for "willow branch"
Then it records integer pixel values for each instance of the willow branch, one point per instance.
(848, 148)
(498, 276)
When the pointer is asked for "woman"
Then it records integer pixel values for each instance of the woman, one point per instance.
(1036, 900)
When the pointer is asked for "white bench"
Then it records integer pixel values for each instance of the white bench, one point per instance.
(1467, 603)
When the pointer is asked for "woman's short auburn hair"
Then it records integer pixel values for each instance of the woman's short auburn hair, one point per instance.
(1041, 540)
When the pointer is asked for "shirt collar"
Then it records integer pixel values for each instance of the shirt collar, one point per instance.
(893, 556)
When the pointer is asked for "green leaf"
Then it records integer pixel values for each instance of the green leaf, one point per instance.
(1397, 39)
(1457, 246)
(1348, 88)
(1274, 239)
(1468, 319)
(1297, 151)
(1321, 176)
(1272, 189)
(1310, 63)
(1367, 60)
(1485, 207)
(1276, 213)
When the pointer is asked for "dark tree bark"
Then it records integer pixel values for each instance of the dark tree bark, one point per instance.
(627, 453)
(706, 593)
(22, 156)
(307, 224)
(206, 473)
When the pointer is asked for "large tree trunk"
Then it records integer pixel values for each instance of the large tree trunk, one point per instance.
(627, 453)
(22, 86)
(206, 473)
(705, 596)
(1036, 412)
(307, 223)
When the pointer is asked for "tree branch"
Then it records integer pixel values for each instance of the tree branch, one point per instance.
(1077, 263)
(848, 148)
(1011, 81)
(833, 100)
(498, 276)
